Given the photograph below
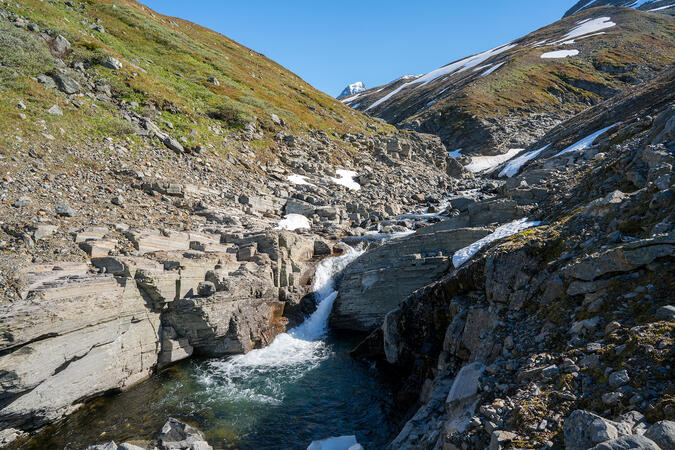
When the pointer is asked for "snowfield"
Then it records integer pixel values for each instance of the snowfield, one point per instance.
(485, 163)
(559, 54)
(453, 68)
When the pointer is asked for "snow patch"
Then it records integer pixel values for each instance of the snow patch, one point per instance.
(587, 27)
(661, 8)
(346, 179)
(585, 142)
(484, 163)
(513, 166)
(451, 69)
(559, 54)
(465, 254)
(299, 179)
(292, 222)
(489, 71)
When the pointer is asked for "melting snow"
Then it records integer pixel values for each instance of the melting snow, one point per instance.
(483, 163)
(453, 68)
(346, 179)
(513, 166)
(585, 142)
(299, 179)
(465, 254)
(293, 222)
(489, 71)
(560, 54)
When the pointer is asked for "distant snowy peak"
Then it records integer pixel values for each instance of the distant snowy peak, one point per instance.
(352, 89)
(662, 6)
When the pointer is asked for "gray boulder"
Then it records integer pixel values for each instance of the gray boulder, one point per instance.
(628, 443)
(666, 312)
(112, 63)
(584, 430)
(177, 435)
(66, 84)
(663, 433)
(60, 45)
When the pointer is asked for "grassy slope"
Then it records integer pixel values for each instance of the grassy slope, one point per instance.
(177, 57)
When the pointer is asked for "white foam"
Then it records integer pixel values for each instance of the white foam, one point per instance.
(465, 254)
(258, 375)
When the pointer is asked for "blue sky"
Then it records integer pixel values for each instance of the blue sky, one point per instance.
(333, 43)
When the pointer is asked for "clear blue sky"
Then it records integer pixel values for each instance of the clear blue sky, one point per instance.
(331, 43)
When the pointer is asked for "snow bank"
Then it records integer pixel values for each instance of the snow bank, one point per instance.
(585, 142)
(293, 222)
(587, 27)
(298, 179)
(560, 54)
(513, 166)
(346, 179)
(453, 68)
(492, 69)
(465, 254)
(484, 163)
(336, 443)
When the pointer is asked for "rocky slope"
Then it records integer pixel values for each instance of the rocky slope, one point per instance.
(535, 338)
(660, 6)
(143, 198)
(509, 96)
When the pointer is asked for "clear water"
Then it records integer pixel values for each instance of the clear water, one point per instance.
(302, 387)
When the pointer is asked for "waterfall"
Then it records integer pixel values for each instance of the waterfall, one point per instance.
(261, 375)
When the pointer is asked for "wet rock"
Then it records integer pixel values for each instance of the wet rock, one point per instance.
(177, 435)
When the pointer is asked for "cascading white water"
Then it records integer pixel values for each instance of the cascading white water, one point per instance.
(260, 375)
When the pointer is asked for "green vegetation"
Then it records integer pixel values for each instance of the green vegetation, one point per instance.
(167, 63)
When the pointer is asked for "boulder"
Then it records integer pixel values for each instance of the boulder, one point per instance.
(636, 442)
(177, 435)
(584, 430)
(378, 281)
(663, 433)
(66, 84)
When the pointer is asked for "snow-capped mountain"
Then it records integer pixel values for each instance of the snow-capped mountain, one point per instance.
(352, 89)
(661, 6)
(482, 103)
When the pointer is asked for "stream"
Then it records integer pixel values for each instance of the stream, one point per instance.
(302, 387)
